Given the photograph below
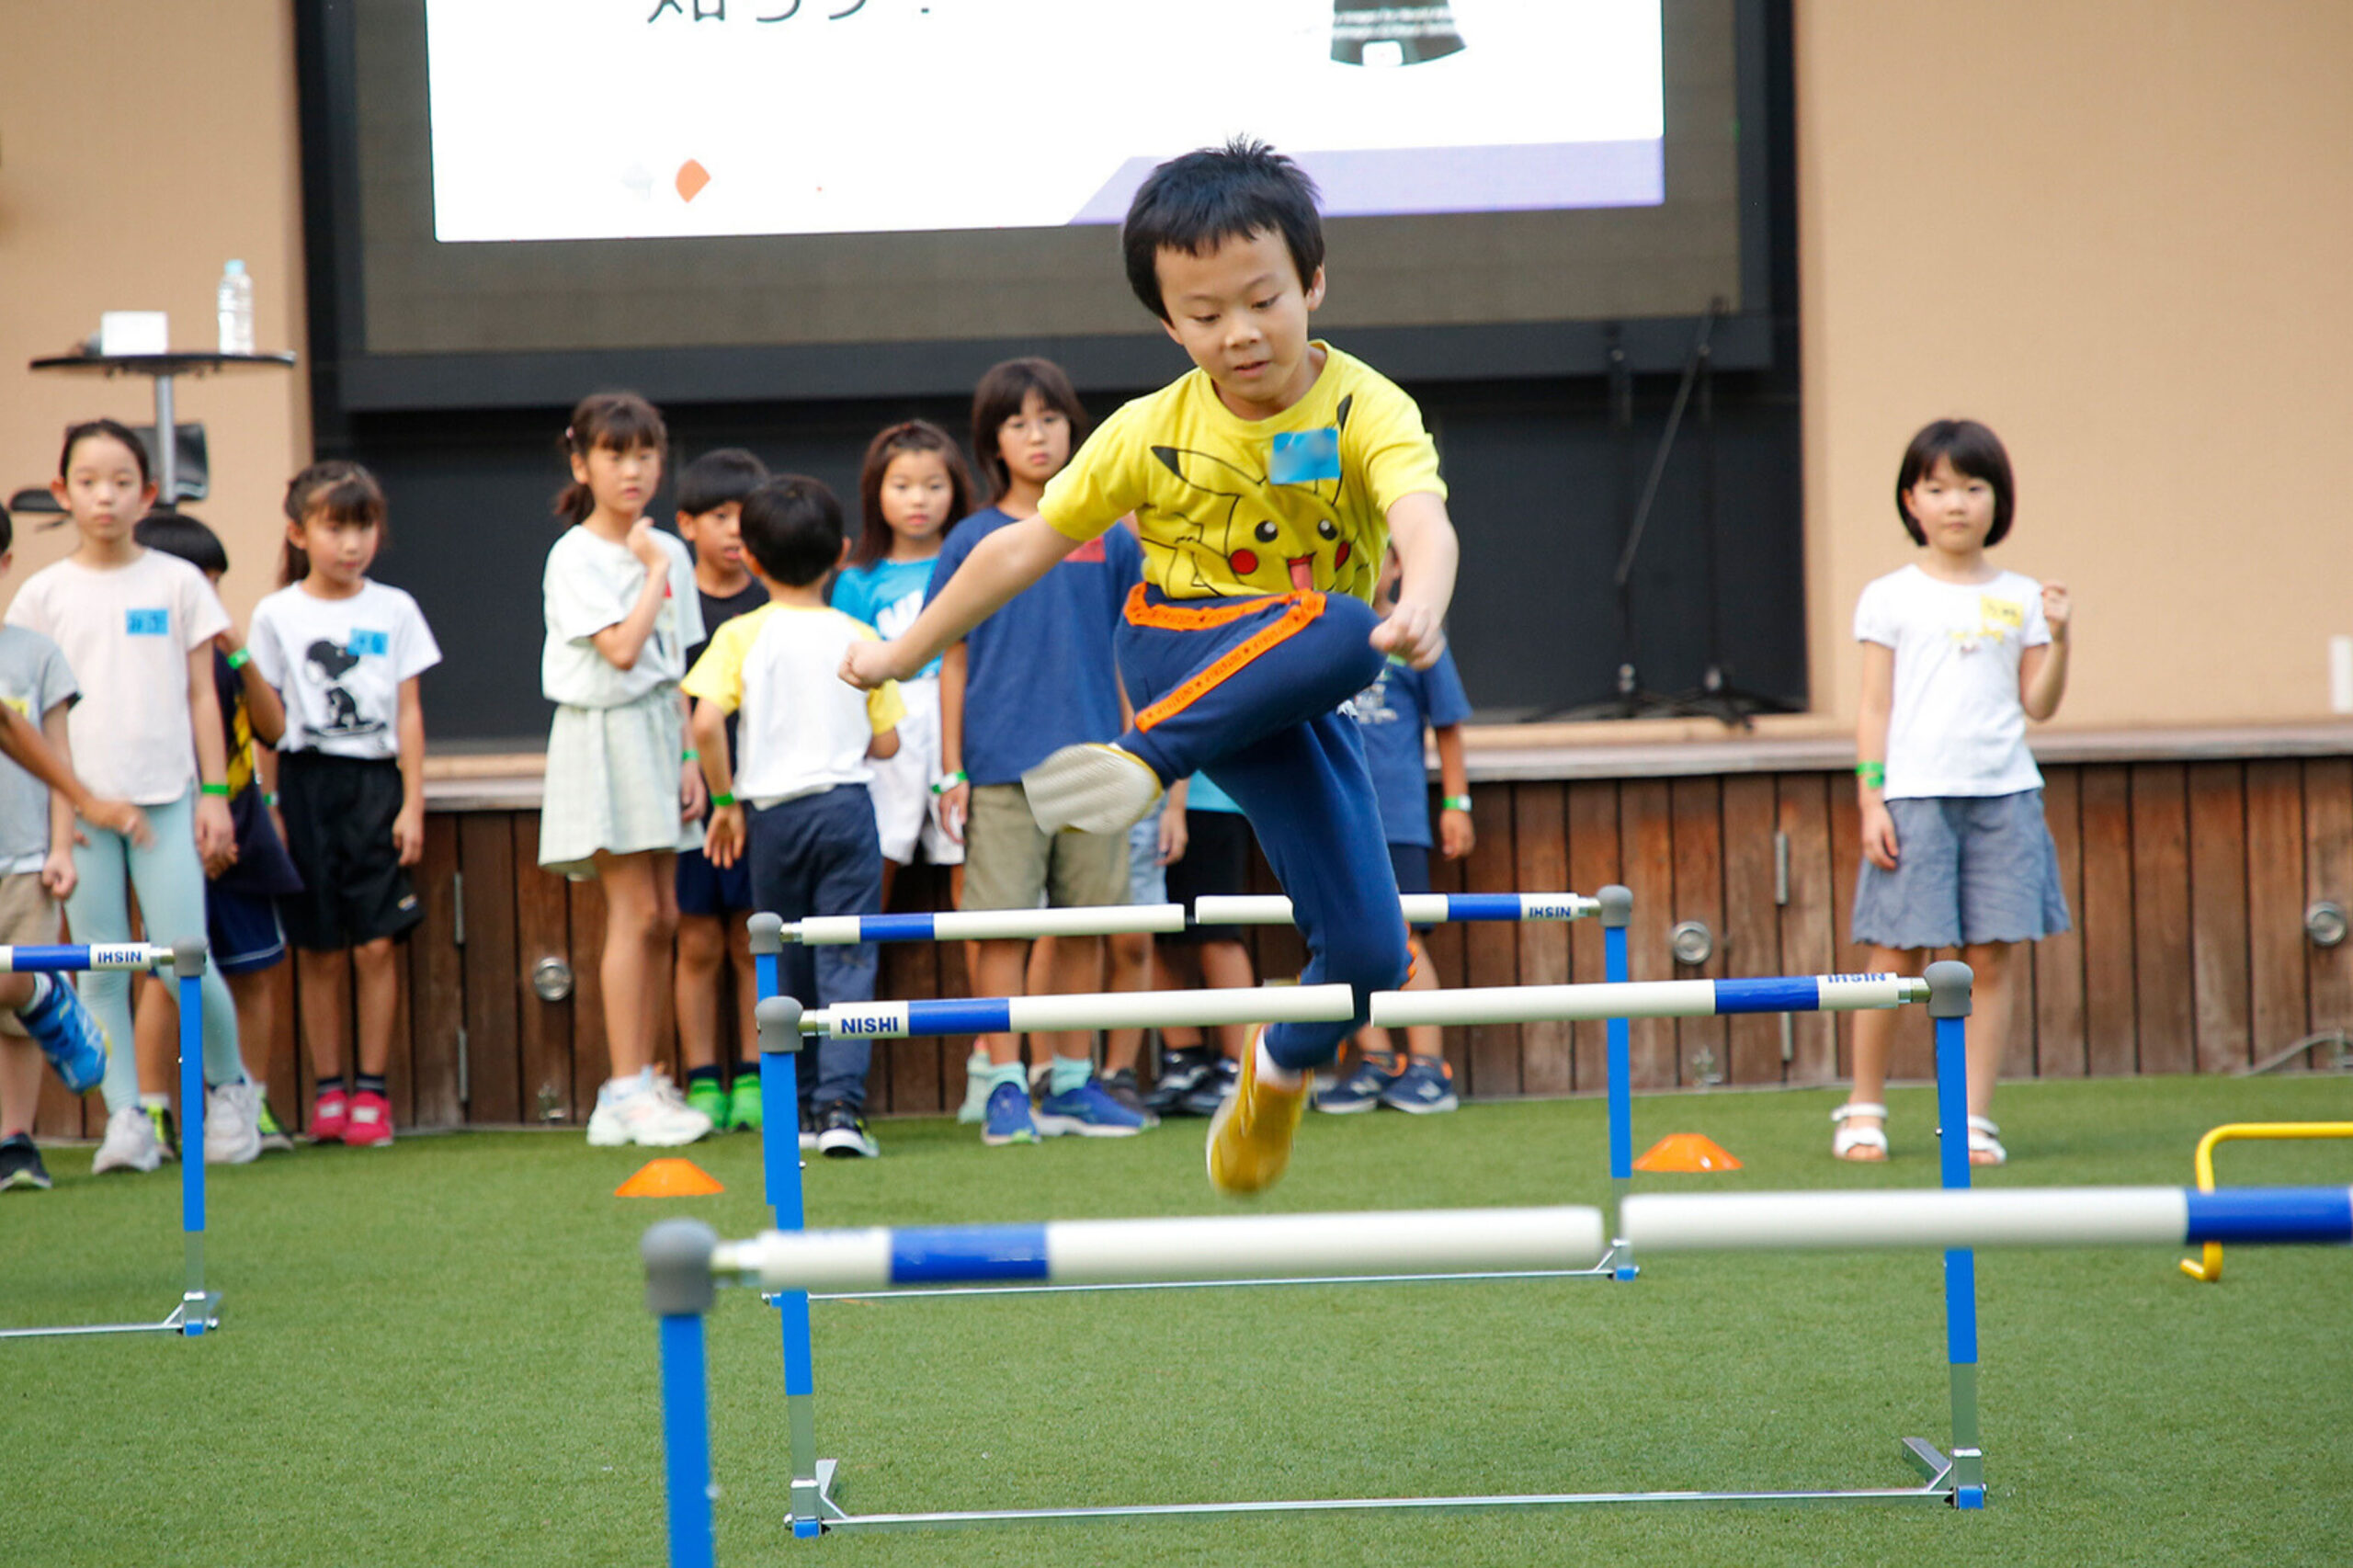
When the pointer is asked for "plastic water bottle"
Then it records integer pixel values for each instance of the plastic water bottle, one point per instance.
(236, 309)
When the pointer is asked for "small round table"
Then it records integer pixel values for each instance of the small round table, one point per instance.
(162, 367)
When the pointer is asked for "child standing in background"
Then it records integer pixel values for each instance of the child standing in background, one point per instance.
(241, 899)
(1038, 673)
(912, 490)
(1958, 655)
(623, 792)
(1391, 714)
(38, 799)
(344, 654)
(811, 839)
(714, 901)
(136, 627)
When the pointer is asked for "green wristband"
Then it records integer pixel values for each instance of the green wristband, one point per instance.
(946, 781)
(722, 800)
(220, 791)
(240, 659)
(689, 755)
(1873, 774)
(1456, 803)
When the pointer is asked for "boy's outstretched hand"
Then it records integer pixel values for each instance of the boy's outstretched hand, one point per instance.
(1413, 632)
(868, 664)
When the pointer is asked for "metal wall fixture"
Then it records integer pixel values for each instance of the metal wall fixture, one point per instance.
(551, 980)
(1691, 942)
(2325, 923)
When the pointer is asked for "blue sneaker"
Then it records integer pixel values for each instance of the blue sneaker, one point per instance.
(1090, 1112)
(1008, 1118)
(1423, 1088)
(68, 1036)
(1360, 1090)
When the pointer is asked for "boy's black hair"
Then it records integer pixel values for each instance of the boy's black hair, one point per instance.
(1974, 452)
(1196, 202)
(716, 478)
(78, 434)
(792, 528)
(176, 533)
(7, 531)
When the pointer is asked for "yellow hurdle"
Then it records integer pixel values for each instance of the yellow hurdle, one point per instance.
(2210, 1269)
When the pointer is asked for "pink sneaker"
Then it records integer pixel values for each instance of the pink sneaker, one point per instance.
(328, 1118)
(369, 1123)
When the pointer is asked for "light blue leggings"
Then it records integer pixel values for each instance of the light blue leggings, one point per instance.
(169, 878)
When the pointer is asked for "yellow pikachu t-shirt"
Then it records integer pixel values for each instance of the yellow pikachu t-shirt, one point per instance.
(1232, 508)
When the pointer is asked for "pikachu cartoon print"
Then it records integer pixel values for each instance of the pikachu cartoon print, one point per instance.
(1266, 532)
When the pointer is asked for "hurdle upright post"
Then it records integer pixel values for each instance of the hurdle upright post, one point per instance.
(679, 1290)
(197, 1302)
(1616, 914)
(780, 1021)
(1948, 1007)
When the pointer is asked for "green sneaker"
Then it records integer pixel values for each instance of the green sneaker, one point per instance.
(273, 1136)
(744, 1102)
(705, 1095)
(167, 1135)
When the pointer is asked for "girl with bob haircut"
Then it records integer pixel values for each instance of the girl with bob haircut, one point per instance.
(624, 794)
(1958, 655)
(912, 490)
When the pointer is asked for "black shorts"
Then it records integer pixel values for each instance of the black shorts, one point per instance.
(339, 813)
(1216, 863)
(1411, 864)
(706, 888)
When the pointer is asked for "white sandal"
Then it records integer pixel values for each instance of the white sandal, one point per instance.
(1847, 1139)
(1985, 1139)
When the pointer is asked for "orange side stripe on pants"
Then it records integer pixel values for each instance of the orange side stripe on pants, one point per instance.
(1303, 608)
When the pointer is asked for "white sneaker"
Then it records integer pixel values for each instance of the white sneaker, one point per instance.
(646, 1109)
(130, 1143)
(232, 1124)
(1090, 788)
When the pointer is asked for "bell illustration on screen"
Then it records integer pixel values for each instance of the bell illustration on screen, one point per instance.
(1376, 32)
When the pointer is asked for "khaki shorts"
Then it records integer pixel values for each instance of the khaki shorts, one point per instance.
(28, 918)
(1009, 861)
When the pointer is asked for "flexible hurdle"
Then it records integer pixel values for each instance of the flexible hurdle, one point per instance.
(198, 1309)
(2207, 1267)
(1289, 1258)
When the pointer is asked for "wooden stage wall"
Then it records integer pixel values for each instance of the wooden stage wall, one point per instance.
(2187, 882)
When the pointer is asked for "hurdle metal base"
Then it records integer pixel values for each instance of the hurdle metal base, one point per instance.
(1923, 1456)
(196, 1313)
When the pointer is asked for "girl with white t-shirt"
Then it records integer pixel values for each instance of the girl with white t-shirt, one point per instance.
(137, 626)
(624, 794)
(1958, 655)
(344, 653)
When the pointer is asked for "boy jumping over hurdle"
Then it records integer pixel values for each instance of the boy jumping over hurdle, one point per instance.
(1266, 483)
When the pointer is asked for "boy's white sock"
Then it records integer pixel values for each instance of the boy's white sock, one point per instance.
(1271, 1073)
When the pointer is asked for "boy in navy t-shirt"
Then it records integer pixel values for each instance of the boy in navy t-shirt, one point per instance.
(714, 900)
(1391, 714)
(1035, 677)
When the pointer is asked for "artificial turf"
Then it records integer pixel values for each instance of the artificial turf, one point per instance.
(439, 1354)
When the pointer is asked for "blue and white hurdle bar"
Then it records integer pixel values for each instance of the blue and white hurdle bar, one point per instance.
(198, 1308)
(1957, 1479)
(1613, 906)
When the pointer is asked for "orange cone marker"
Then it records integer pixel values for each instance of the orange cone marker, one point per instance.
(1686, 1152)
(669, 1179)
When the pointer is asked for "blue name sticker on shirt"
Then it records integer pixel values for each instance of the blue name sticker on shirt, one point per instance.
(363, 644)
(1305, 457)
(147, 622)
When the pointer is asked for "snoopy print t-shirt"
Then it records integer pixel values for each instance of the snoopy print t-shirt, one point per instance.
(1228, 506)
(338, 664)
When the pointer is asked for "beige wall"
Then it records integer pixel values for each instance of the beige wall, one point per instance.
(143, 143)
(2116, 230)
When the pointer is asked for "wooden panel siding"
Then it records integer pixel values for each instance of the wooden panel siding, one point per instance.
(2188, 883)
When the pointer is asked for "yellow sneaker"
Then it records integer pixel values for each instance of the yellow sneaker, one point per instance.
(1250, 1135)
